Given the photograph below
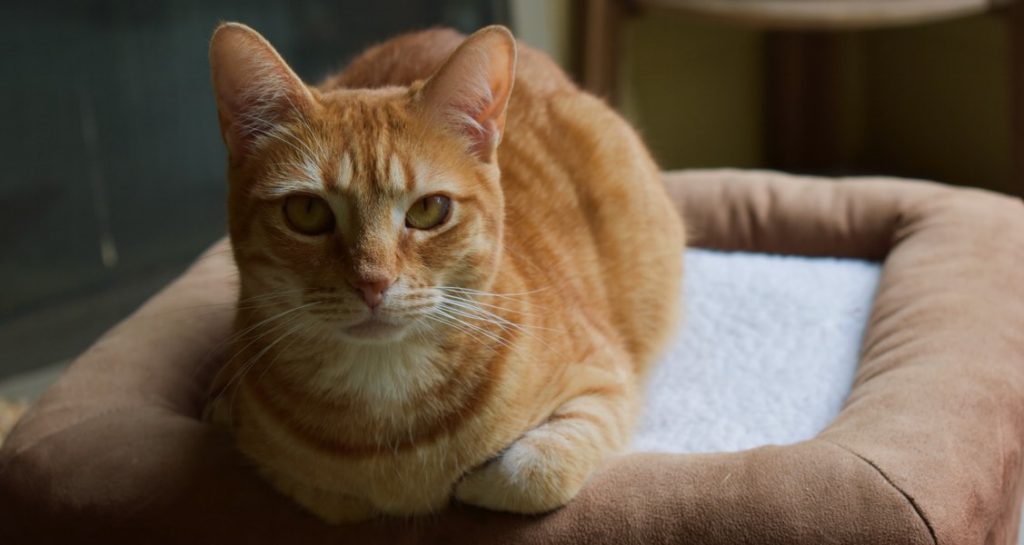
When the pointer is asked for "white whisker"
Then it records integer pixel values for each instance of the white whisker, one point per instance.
(239, 335)
(460, 326)
(483, 331)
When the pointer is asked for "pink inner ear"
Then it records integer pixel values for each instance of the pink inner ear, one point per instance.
(485, 141)
(471, 114)
(261, 104)
(250, 118)
(258, 111)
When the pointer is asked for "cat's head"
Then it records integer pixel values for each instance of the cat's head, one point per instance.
(360, 212)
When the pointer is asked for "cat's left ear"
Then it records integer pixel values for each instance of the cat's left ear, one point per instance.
(469, 93)
(256, 90)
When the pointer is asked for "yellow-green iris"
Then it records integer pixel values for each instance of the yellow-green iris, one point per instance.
(308, 215)
(428, 212)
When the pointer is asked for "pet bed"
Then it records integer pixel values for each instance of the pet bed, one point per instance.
(925, 449)
(766, 355)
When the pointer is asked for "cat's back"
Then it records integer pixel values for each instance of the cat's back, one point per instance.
(407, 58)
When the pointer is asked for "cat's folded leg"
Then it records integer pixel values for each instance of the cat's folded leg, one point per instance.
(330, 506)
(336, 508)
(546, 467)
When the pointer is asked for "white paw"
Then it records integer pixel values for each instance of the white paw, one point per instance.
(529, 477)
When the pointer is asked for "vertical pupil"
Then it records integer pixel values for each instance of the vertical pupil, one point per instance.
(309, 205)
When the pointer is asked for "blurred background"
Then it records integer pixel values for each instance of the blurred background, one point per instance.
(114, 169)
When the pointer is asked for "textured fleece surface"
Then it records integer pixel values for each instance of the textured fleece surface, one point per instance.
(927, 448)
(766, 354)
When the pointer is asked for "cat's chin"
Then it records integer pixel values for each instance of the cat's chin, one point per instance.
(374, 331)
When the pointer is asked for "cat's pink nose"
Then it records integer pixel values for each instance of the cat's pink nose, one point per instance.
(372, 290)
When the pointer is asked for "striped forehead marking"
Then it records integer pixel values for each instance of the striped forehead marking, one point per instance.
(345, 171)
(396, 180)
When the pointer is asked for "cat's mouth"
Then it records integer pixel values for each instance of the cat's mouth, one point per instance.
(375, 329)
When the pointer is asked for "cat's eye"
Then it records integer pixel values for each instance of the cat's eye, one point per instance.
(308, 215)
(428, 212)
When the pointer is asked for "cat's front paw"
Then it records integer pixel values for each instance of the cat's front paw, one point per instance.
(530, 477)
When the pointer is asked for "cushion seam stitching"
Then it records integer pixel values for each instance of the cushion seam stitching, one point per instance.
(913, 504)
(14, 453)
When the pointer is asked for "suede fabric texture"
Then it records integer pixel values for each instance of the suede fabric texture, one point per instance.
(928, 448)
(829, 14)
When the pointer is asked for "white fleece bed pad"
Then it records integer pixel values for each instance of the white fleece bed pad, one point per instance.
(766, 353)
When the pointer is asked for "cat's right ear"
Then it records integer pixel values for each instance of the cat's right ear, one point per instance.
(255, 88)
(470, 92)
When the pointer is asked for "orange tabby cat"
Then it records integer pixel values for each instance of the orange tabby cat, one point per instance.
(455, 269)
